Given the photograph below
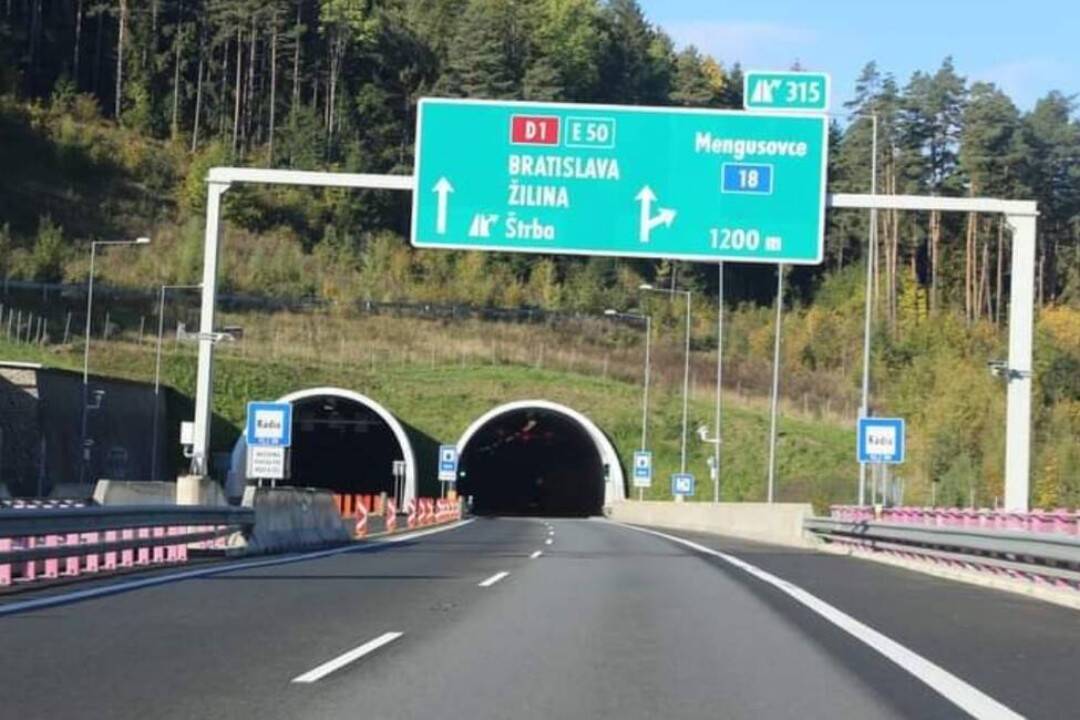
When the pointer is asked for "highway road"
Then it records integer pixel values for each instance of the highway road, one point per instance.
(535, 618)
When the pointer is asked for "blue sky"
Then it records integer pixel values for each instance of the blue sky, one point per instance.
(1026, 47)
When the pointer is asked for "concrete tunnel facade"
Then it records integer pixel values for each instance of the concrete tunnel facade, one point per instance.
(537, 457)
(342, 441)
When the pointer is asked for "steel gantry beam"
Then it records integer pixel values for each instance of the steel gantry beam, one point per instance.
(1021, 216)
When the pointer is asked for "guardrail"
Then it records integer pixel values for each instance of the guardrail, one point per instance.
(33, 542)
(1059, 520)
(1047, 558)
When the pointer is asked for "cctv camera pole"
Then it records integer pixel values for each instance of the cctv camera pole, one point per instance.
(86, 347)
(157, 374)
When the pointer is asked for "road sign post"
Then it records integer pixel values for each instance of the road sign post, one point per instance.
(448, 465)
(268, 434)
(642, 471)
(682, 485)
(669, 183)
(881, 440)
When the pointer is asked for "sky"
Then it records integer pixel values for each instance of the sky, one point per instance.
(1027, 48)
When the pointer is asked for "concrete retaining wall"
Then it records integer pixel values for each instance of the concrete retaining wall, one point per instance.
(779, 523)
(291, 518)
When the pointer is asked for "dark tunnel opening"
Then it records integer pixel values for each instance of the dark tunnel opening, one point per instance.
(342, 445)
(533, 461)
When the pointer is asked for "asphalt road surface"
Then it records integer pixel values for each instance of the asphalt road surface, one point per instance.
(534, 618)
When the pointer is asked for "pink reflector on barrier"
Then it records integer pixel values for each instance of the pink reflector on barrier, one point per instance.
(73, 562)
(5, 569)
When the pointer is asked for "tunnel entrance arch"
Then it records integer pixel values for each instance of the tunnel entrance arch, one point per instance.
(342, 441)
(537, 457)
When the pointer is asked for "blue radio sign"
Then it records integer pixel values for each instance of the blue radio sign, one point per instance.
(269, 424)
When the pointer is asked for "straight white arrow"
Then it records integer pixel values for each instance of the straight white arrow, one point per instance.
(665, 217)
(443, 188)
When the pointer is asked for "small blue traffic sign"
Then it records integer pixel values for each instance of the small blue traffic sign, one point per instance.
(881, 440)
(448, 463)
(682, 484)
(269, 424)
(642, 468)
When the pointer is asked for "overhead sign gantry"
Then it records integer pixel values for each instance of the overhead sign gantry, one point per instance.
(673, 183)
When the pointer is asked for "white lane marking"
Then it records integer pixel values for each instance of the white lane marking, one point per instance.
(316, 674)
(115, 588)
(967, 697)
(548, 541)
(494, 579)
(536, 554)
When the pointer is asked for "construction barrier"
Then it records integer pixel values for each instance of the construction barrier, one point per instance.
(361, 521)
(391, 515)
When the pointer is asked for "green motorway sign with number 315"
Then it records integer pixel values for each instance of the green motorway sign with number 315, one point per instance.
(790, 91)
(617, 180)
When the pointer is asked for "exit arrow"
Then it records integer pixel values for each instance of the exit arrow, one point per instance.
(665, 217)
(443, 188)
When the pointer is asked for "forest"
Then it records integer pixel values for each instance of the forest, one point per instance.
(111, 112)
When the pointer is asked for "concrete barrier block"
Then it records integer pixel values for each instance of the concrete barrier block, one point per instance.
(126, 492)
(778, 523)
(289, 519)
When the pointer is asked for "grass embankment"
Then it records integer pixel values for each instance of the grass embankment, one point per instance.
(441, 400)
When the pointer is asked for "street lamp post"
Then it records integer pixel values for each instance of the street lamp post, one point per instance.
(86, 344)
(871, 249)
(645, 383)
(719, 376)
(686, 370)
(775, 380)
(157, 372)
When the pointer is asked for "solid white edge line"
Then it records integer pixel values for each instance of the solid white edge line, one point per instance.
(536, 554)
(217, 569)
(967, 697)
(318, 673)
(494, 579)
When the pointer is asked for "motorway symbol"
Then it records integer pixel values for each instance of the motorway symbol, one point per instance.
(649, 221)
(269, 424)
(682, 484)
(642, 468)
(674, 183)
(881, 440)
(788, 91)
(448, 463)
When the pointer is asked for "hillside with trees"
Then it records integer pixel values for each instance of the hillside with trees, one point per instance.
(111, 113)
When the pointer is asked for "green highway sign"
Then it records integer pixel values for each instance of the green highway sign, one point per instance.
(791, 91)
(615, 180)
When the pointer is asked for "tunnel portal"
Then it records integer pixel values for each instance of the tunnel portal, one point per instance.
(343, 442)
(534, 460)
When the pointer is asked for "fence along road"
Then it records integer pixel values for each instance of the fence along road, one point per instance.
(607, 622)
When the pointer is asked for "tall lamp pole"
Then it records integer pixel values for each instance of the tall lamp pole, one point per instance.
(157, 372)
(645, 383)
(719, 376)
(775, 381)
(86, 345)
(871, 249)
(686, 370)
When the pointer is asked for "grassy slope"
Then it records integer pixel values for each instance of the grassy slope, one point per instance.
(815, 459)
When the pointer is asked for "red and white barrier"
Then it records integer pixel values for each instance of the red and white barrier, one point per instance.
(411, 517)
(1057, 521)
(361, 521)
(391, 515)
